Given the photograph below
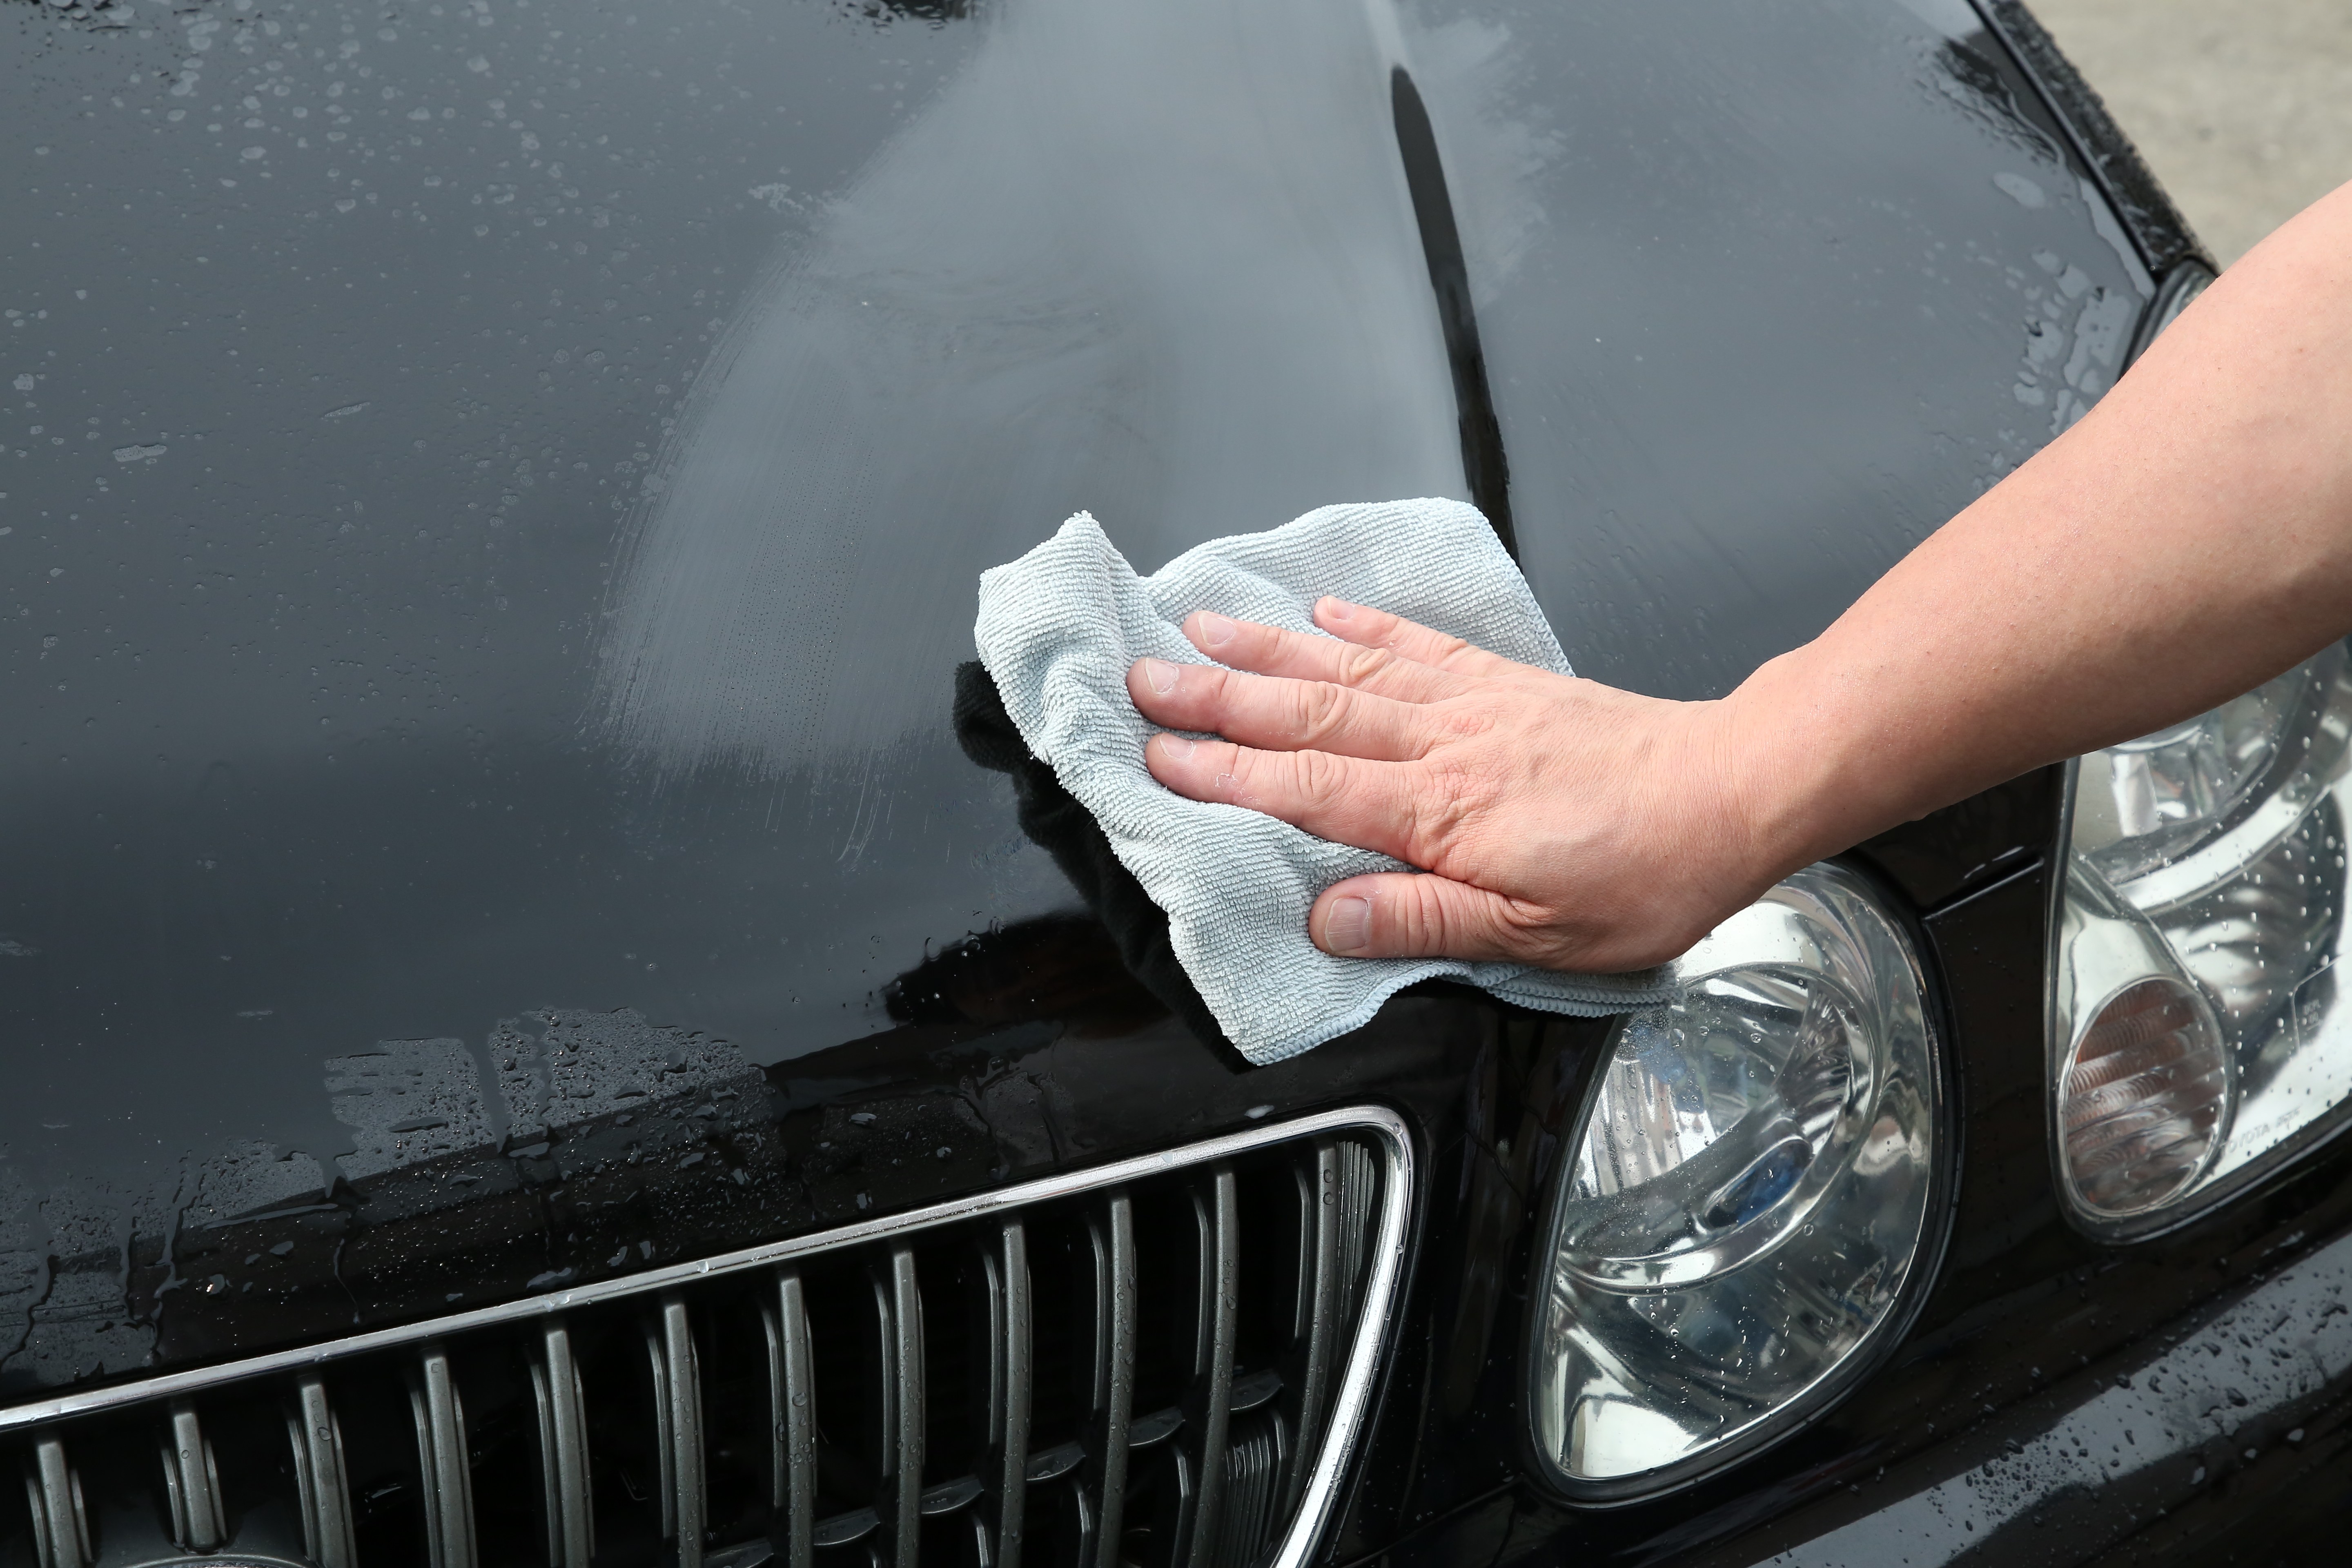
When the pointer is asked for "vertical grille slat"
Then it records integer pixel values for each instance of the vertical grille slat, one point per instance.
(321, 1477)
(991, 1318)
(1318, 1308)
(664, 1429)
(677, 1420)
(60, 1521)
(440, 1416)
(792, 1389)
(1157, 1365)
(903, 1370)
(1219, 1214)
(1113, 1235)
(1014, 1355)
(1358, 1193)
(560, 1407)
(192, 1482)
(1090, 1520)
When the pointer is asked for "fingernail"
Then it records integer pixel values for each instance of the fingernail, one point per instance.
(1332, 609)
(1159, 675)
(1175, 747)
(1348, 926)
(1215, 630)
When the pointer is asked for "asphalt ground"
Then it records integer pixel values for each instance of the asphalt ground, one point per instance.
(2244, 108)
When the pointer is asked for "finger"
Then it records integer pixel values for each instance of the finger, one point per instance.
(1278, 715)
(1400, 915)
(1348, 800)
(1408, 640)
(1299, 655)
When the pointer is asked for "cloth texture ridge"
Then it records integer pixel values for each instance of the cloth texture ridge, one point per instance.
(1059, 628)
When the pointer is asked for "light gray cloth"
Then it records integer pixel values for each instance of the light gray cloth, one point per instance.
(1059, 630)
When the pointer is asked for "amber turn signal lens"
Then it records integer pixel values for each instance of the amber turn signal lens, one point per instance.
(2144, 1097)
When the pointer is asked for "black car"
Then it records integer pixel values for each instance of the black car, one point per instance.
(550, 1019)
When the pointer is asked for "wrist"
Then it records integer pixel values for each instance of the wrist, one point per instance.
(1796, 759)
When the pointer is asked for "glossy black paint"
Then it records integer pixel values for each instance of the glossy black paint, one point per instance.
(2074, 111)
(494, 804)
(1811, 279)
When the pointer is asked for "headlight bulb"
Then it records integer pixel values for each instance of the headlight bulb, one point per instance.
(1717, 1126)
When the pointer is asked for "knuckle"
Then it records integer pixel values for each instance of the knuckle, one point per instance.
(1447, 806)
(1359, 664)
(1425, 917)
(1454, 789)
(1459, 721)
(1236, 773)
(1524, 930)
(1550, 937)
(1318, 710)
(1319, 778)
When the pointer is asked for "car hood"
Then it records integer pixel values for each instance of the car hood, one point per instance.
(494, 496)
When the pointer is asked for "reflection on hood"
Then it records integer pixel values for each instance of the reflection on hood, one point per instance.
(1157, 261)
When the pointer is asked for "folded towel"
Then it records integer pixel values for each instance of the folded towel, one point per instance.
(1059, 629)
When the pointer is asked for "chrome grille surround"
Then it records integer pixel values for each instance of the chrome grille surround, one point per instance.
(1241, 1286)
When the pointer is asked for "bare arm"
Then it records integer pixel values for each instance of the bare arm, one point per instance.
(2188, 539)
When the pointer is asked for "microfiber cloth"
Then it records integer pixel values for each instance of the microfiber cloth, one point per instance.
(1057, 631)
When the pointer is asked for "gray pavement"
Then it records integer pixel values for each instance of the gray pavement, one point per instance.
(2244, 108)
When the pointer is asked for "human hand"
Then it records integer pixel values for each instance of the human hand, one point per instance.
(1569, 825)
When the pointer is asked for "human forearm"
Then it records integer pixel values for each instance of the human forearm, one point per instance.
(2188, 539)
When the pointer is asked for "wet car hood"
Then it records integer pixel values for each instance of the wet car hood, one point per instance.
(492, 495)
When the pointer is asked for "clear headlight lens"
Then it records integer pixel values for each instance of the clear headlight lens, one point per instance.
(1753, 1184)
(2195, 1040)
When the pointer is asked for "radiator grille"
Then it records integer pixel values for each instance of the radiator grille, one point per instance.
(1161, 1364)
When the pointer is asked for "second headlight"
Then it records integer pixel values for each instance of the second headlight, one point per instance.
(2198, 1041)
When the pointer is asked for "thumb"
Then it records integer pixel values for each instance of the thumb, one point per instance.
(1404, 914)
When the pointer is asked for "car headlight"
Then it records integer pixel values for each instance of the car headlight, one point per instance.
(2195, 1038)
(1749, 1199)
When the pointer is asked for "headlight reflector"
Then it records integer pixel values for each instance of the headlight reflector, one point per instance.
(1752, 1189)
(2142, 1096)
(1709, 1136)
